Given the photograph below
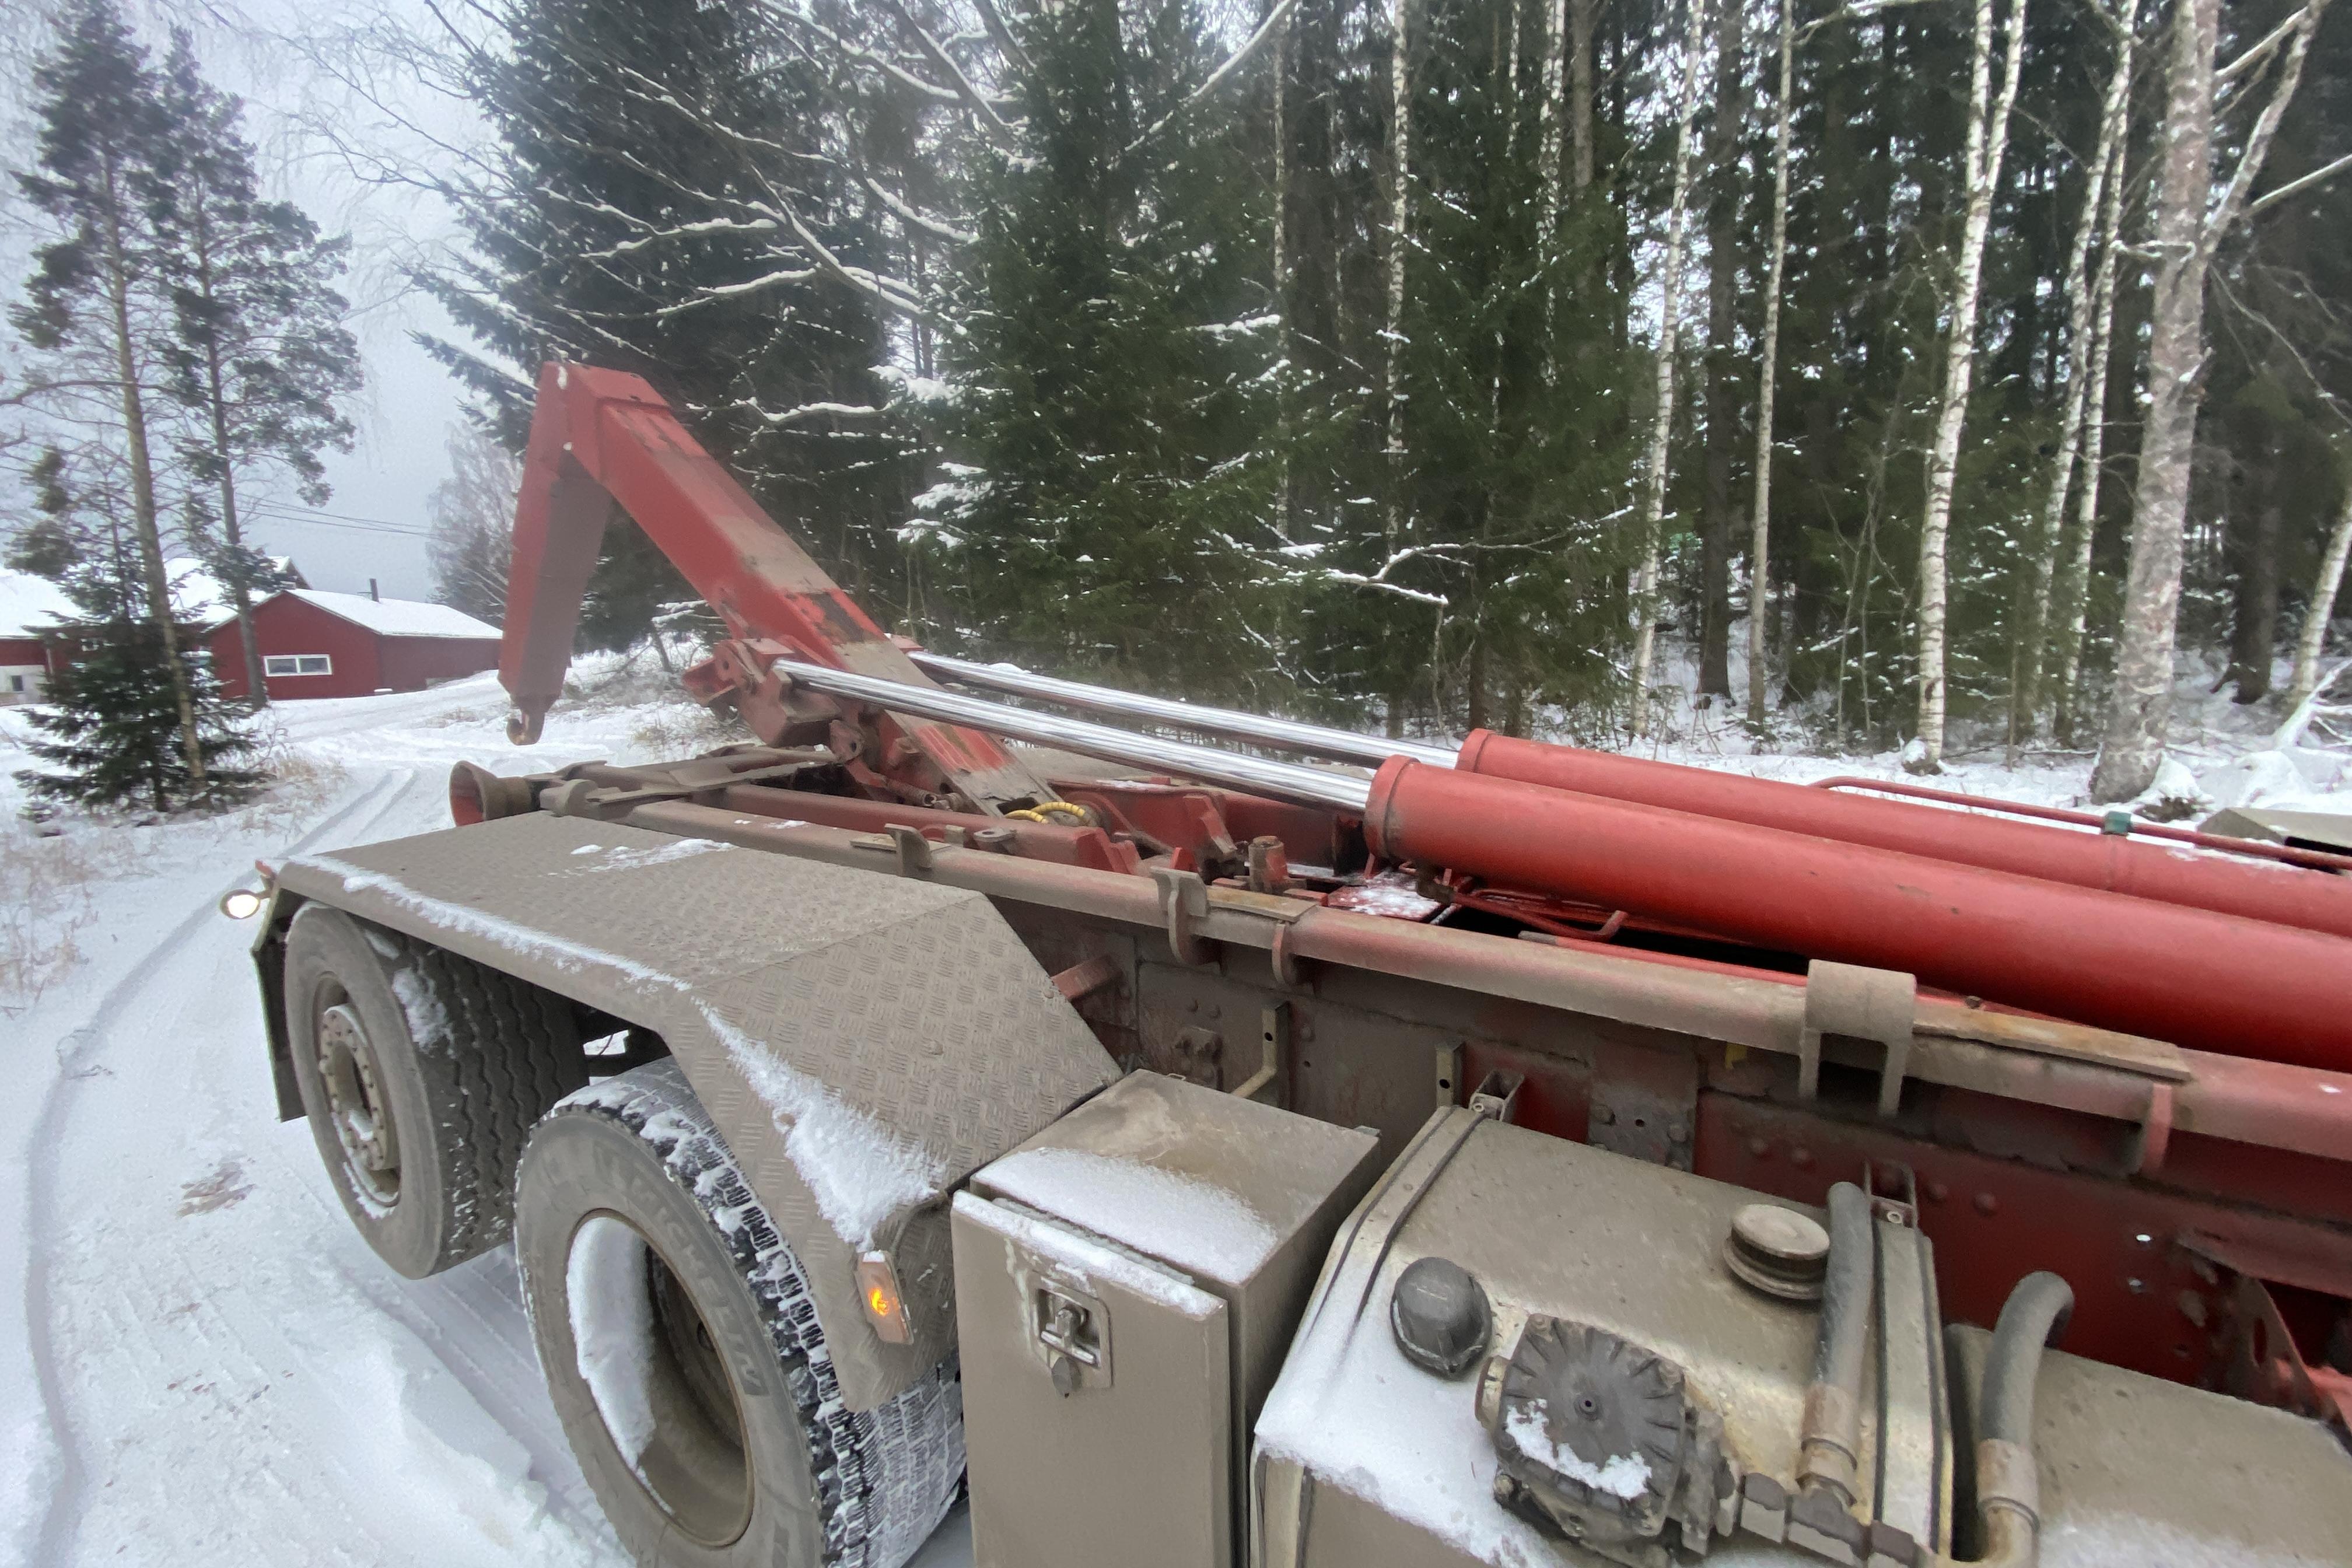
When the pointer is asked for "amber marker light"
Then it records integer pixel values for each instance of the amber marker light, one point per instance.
(877, 1293)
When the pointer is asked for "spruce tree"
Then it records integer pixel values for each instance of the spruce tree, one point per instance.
(260, 355)
(109, 727)
(631, 217)
(1113, 405)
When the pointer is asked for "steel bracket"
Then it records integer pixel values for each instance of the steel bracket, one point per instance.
(1184, 903)
(1858, 1003)
(1496, 1097)
(914, 849)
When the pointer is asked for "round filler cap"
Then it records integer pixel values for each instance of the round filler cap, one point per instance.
(1778, 1251)
(1440, 1316)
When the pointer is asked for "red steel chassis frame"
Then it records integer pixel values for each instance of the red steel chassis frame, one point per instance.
(2164, 1195)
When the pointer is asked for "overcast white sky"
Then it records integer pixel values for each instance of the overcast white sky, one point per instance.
(408, 406)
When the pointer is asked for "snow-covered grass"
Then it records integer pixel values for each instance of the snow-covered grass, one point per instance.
(212, 1367)
(2221, 755)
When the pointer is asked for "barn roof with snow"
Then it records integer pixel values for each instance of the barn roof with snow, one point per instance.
(30, 605)
(396, 618)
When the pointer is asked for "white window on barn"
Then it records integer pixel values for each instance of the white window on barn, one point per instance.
(297, 664)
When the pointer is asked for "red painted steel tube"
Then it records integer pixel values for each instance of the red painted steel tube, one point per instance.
(603, 438)
(2284, 895)
(2207, 981)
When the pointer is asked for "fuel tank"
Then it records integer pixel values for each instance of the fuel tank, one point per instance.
(1619, 1364)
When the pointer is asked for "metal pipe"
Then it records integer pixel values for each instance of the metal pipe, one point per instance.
(2110, 862)
(2195, 978)
(2220, 843)
(1231, 723)
(1260, 775)
(2212, 981)
(1829, 1449)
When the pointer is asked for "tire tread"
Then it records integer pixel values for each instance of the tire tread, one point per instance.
(509, 1053)
(884, 1477)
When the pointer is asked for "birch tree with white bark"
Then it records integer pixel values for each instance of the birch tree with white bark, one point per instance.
(1759, 536)
(2089, 311)
(1988, 141)
(2311, 640)
(1400, 243)
(1652, 513)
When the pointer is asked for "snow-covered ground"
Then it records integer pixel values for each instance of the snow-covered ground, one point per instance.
(213, 1369)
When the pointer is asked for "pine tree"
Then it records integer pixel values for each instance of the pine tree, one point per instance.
(96, 305)
(260, 356)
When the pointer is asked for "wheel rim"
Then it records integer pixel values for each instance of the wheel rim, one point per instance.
(660, 1385)
(357, 1106)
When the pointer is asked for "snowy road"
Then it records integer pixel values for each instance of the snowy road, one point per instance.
(215, 1368)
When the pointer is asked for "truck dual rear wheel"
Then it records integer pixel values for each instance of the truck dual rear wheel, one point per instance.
(423, 1074)
(685, 1359)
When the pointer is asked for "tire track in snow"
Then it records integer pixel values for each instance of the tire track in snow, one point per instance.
(64, 1502)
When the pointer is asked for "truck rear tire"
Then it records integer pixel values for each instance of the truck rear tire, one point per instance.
(686, 1361)
(423, 1074)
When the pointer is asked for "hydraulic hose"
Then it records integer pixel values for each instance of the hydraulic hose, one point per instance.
(2008, 1480)
(2034, 1314)
(1829, 1453)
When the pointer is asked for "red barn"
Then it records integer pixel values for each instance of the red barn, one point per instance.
(315, 644)
(30, 609)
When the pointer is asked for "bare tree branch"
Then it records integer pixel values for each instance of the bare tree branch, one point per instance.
(2292, 187)
(1266, 29)
(990, 121)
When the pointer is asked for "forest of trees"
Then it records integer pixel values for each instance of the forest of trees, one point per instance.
(1870, 373)
(1948, 363)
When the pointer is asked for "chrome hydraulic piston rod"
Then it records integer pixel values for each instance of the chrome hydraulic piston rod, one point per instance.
(1230, 723)
(1258, 775)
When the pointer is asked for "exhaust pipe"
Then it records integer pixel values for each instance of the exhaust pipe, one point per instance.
(1227, 723)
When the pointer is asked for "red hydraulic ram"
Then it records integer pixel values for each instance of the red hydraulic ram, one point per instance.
(2284, 895)
(2208, 981)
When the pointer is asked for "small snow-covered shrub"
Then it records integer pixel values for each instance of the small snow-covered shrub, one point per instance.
(46, 886)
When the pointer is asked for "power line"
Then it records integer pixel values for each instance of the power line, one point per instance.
(267, 514)
(296, 507)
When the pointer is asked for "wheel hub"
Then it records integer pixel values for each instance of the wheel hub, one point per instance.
(658, 1380)
(357, 1106)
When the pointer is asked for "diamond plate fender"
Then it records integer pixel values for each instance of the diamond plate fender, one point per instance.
(862, 1041)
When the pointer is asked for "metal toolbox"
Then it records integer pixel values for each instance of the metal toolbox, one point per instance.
(1127, 1284)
